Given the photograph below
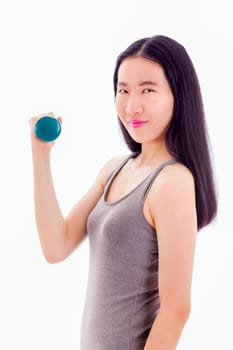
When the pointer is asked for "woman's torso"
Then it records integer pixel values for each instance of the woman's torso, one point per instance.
(122, 298)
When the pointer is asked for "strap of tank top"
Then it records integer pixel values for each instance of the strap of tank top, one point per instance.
(156, 172)
(119, 166)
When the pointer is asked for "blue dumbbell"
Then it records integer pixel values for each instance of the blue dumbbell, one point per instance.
(47, 128)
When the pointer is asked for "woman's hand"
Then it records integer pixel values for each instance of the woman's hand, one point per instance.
(36, 142)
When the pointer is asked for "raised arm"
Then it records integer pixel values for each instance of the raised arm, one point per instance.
(172, 209)
(58, 235)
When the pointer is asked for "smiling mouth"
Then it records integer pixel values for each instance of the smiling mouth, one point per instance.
(137, 123)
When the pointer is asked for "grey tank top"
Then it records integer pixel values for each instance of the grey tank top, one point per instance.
(122, 297)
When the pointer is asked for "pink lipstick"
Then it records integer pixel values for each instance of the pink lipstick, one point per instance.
(136, 123)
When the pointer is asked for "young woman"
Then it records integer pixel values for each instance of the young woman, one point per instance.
(143, 212)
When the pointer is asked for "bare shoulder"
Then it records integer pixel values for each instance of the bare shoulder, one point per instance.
(174, 183)
(108, 168)
(172, 196)
(175, 177)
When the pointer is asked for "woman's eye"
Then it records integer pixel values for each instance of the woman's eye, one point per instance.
(122, 91)
(148, 90)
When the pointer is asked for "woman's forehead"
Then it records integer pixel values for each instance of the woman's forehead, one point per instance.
(139, 70)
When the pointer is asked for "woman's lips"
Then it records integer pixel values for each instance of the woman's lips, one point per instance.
(135, 123)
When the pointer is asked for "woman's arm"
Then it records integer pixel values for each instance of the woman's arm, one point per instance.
(59, 236)
(171, 204)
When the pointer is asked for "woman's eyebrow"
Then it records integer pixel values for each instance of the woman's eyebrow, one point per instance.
(121, 83)
(146, 82)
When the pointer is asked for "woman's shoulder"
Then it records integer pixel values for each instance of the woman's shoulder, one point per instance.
(110, 165)
(177, 171)
(177, 174)
(173, 190)
(173, 179)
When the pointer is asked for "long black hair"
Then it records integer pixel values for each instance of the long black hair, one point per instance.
(187, 137)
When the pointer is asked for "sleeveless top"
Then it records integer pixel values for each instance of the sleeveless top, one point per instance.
(122, 297)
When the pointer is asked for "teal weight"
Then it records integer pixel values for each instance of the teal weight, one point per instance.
(47, 129)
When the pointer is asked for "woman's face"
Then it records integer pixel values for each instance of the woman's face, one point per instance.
(144, 100)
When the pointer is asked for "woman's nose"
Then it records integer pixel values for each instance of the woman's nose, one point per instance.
(133, 106)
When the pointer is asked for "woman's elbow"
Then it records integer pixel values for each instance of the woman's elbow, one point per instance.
(51, 259)
(183, 312)
(179, 311)
(53, 256)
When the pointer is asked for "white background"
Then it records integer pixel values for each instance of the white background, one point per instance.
(59, 56)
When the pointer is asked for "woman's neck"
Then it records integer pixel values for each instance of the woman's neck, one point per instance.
(153, 154)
